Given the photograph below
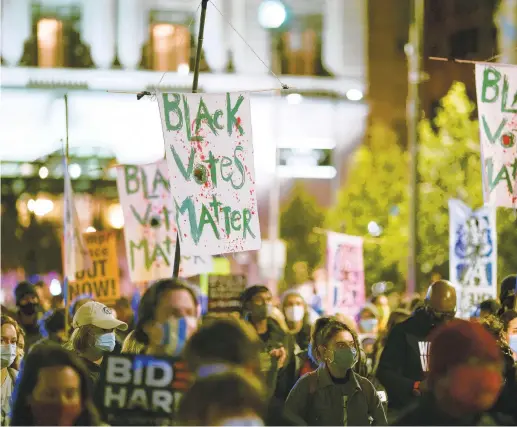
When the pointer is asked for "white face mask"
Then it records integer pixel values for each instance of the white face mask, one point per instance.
(513, 342)
(7, 354)
(295, 313)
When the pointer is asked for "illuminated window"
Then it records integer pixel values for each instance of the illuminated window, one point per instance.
(50, 43)
(170, 47)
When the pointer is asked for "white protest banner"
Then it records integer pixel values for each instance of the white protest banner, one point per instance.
(345, 266)
(208, 145)
(150, 230)
(75, 253)
(497, 108)
(472, 254)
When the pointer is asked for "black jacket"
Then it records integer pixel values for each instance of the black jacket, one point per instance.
(405, 359)
(506, 405)
(427, 413)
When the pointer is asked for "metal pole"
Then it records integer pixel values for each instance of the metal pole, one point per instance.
(204, 4)
(414, 54)
(65, 281)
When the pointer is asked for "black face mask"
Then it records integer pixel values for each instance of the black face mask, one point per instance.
(259, 312)
(29, 309)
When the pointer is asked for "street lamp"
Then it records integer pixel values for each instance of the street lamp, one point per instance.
(272, 14)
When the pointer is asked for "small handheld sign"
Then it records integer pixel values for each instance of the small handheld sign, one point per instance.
(224, 293)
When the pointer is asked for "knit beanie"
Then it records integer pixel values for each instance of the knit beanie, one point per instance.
(456, 342)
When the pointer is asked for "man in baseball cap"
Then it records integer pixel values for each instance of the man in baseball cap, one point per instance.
(97, 314)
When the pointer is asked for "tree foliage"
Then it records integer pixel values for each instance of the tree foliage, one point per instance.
(377, 190)
(300, 216)
(450, 167)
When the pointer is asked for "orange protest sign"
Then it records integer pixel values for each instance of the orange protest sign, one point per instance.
(101, 280)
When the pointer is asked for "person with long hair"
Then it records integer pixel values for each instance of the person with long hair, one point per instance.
(167, 316)
(53, 390)
(334, 394)
(10, 334)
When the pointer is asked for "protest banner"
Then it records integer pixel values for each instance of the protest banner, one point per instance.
(101, 280)
(224, 293)
(496, 87)
(210, 156)
(472, 255)
(141, 390)
(345, 268)
(150, 229)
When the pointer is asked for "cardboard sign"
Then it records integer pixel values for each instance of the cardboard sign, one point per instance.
(101, 280)
(208, 145)
(224, 293)
(345, 267)
(472, 255)
(150, 229)
(496, 87)
(140, 389)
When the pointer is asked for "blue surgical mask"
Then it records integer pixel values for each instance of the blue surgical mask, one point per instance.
(513, 342)
(7, 354)
(368, 325)
(105, 342)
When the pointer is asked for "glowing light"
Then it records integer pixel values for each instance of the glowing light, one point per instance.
(30, 205)
(47, 31)
(55, 287)
(354, 95)
(74, 170)
(26, 169)
(163, 30)
(43, 172)
(294, 99)
(115, 216)
(40, 207)
(272, 14)
(90, 229)
(183, 69)
(374, 229)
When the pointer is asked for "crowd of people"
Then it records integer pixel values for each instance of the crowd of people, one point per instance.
(411, 362)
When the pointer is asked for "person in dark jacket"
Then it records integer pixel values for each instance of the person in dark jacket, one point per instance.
(404, 360)
(465, 378)
(278, 346)
(334, 394)
(29, 312)
(54, 324)
(508, 293)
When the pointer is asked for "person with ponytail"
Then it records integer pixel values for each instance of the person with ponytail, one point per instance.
(335, 394)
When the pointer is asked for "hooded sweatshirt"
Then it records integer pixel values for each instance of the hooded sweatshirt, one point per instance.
(405, 358)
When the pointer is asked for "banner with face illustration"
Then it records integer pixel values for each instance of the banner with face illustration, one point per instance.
(345, 266)
(472, 254)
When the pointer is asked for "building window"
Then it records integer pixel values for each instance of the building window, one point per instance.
(298, 49)
(464, 43)
(169, 47)
(50, 43)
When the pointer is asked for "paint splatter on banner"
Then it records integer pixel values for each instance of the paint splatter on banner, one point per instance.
(208, 145)
(345, 266)
(472, 255)
(150, 229)
(497, 107)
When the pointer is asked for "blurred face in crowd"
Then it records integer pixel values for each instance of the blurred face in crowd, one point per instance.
(29, 304)
(9, 348)
(56, 398)
(339, 353)
(511, 335)
(260, 306)
(177, 303)
(294, 308)
(368, 323)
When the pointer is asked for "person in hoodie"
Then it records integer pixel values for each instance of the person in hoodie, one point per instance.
(275, 358)
(404, 362)
(465, 378)
(29, 312)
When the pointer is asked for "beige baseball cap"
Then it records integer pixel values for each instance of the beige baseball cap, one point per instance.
(97, 314)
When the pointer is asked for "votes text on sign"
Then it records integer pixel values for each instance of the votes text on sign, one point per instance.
(209, 151)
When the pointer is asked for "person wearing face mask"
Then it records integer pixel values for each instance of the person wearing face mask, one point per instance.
(53, 390)
(167, 317)
(465, 378)
(8, 353)
(295, 311)
(275, 355)
(404, 362)
(334, 394)
(509, 319)
(29, 312)
(93, 336)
